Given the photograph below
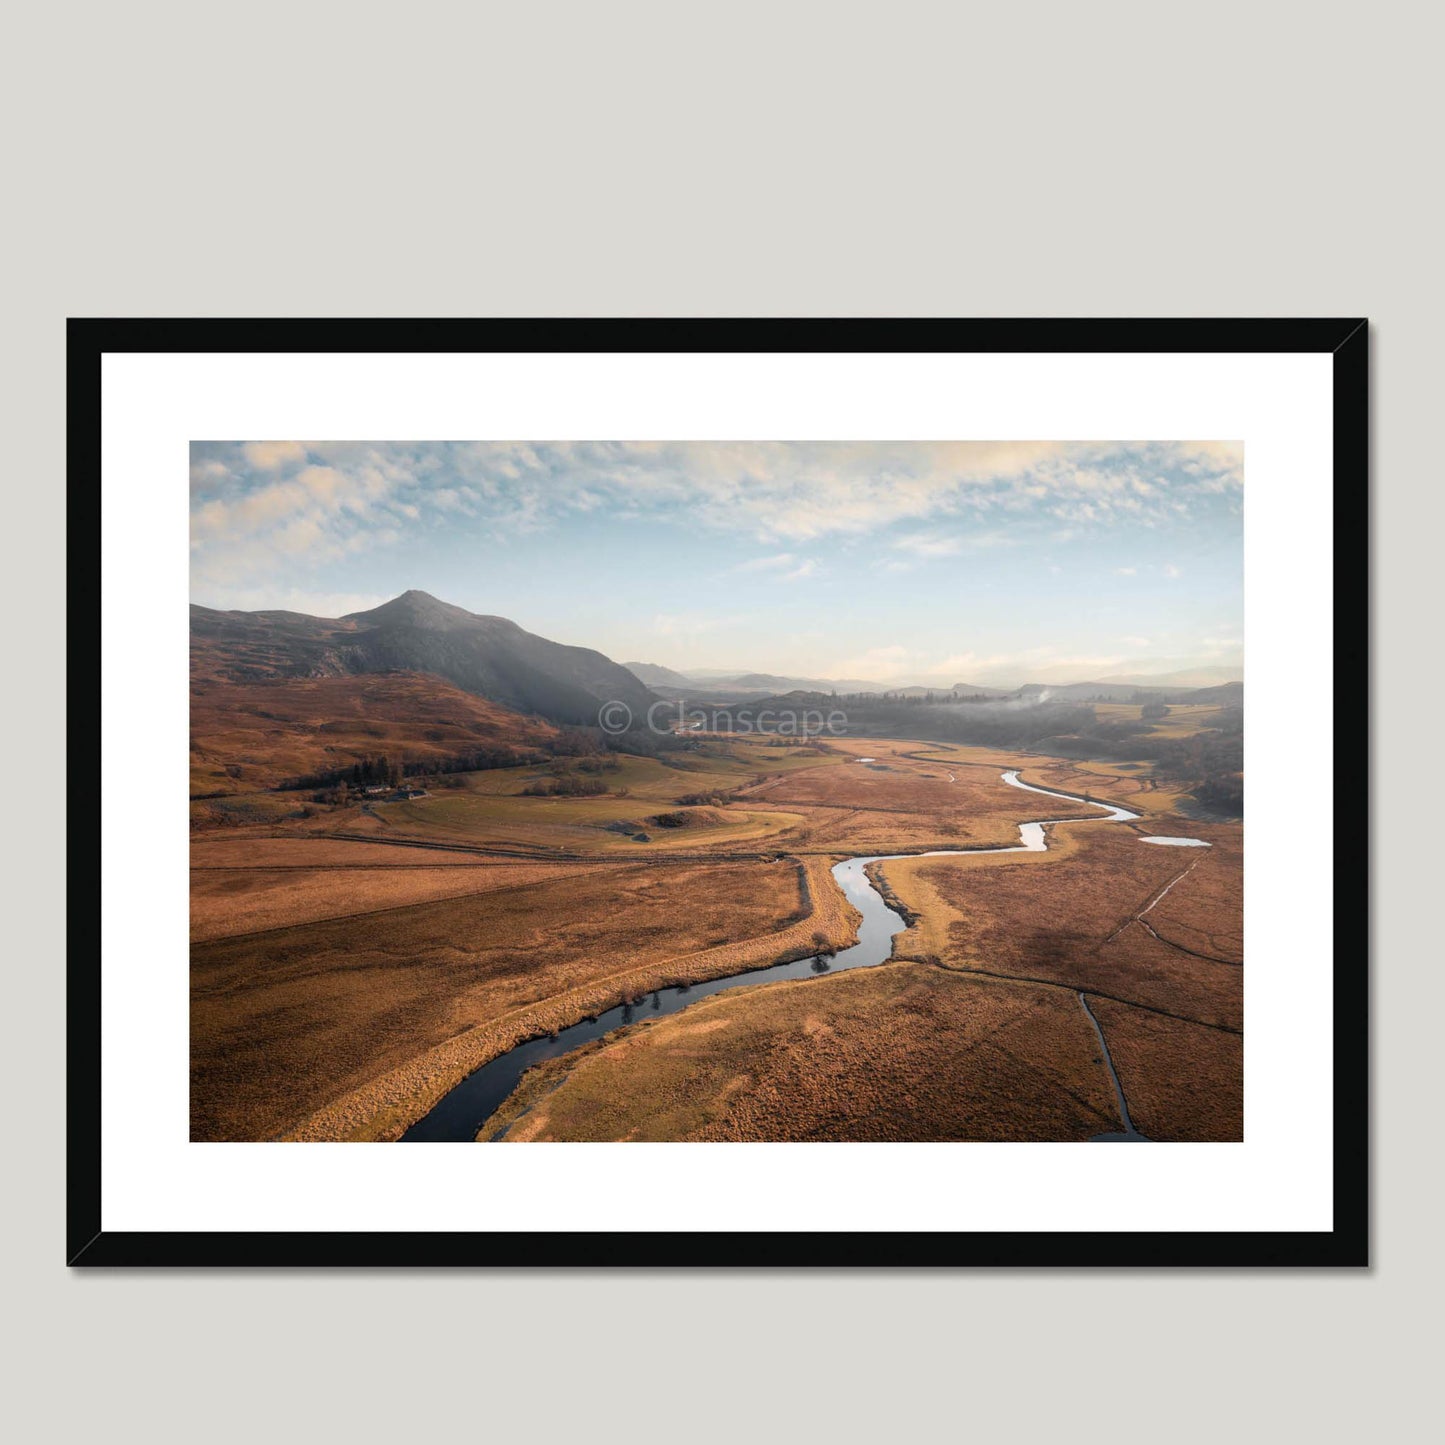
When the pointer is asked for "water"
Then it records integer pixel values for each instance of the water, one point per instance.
(1130, 1134)
(1178, 842)
(459, 1114)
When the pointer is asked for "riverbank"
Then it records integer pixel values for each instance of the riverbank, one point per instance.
(384, 1108)
(902, 1053)
(459, 1114)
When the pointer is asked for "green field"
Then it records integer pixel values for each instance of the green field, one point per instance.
(489, 807)
(1183, 719)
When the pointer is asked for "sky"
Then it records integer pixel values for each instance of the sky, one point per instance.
(892, 562)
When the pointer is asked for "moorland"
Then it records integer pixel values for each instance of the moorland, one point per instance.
(412, 849)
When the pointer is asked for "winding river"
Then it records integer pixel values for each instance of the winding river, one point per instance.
(459, 1114)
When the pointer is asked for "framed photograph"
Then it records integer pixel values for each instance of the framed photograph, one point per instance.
(797, 769)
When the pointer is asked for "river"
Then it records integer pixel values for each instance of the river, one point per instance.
(458, 1115)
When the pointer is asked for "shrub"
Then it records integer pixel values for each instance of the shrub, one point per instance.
(569, 785)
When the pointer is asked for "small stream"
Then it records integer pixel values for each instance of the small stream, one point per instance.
(459, 1114)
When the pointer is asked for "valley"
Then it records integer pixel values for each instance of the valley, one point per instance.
(362, 947)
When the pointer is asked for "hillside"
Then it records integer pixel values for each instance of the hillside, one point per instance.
(768, 682)
(489, 656)
(713, 682)
(653, 674)
(1186, 677)
(247, 736)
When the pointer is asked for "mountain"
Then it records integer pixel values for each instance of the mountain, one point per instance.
(652, 674)
(1227, 694)
(1082, 691)
(1158, 688)
(937, 690)
(768, 683)
(1186, 677)
(489, 656)
(279, 731)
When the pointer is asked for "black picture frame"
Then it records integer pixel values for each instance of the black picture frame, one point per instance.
(1347, 1244)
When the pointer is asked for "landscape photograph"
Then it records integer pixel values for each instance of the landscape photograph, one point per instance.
(716, 791)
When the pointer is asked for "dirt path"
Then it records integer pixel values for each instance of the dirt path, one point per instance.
(1138, 917)
(1154, 932)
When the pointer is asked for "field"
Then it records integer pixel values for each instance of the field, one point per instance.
(1089, 915)
(905, 1052)
(1183, 1082)
(252, 885)
(977, 1029)
(578, 825)
(1182, 720)
(286, 1022)
(352, 961)
(891, 796)
(1152, 936)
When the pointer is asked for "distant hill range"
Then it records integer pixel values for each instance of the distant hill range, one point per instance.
(654, 675)
(490, 657)
(1156, 689)
(713, 683)
(710, 682)
(1186, 677)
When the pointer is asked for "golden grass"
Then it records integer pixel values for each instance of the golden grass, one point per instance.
(310, 850)
(574, 825)
(226, 902)
(1132, 785)
(353, 1027)
(1205, 913)
(911, 798)
(384, 1107)
(824, 803)
(342, 1026)
(1070, 916)
(1181, 1081)
(902, 1052)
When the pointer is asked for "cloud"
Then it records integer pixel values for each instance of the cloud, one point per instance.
(1126, 571)
(780, 567)
(207, 474)
(269, 456)
(314, 604)
(265, 506)
(1170, 570)
(255, 514)
(923, 545)
(776, 562)
(786, 490)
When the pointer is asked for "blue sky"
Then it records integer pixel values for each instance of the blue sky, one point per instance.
(932, 562)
